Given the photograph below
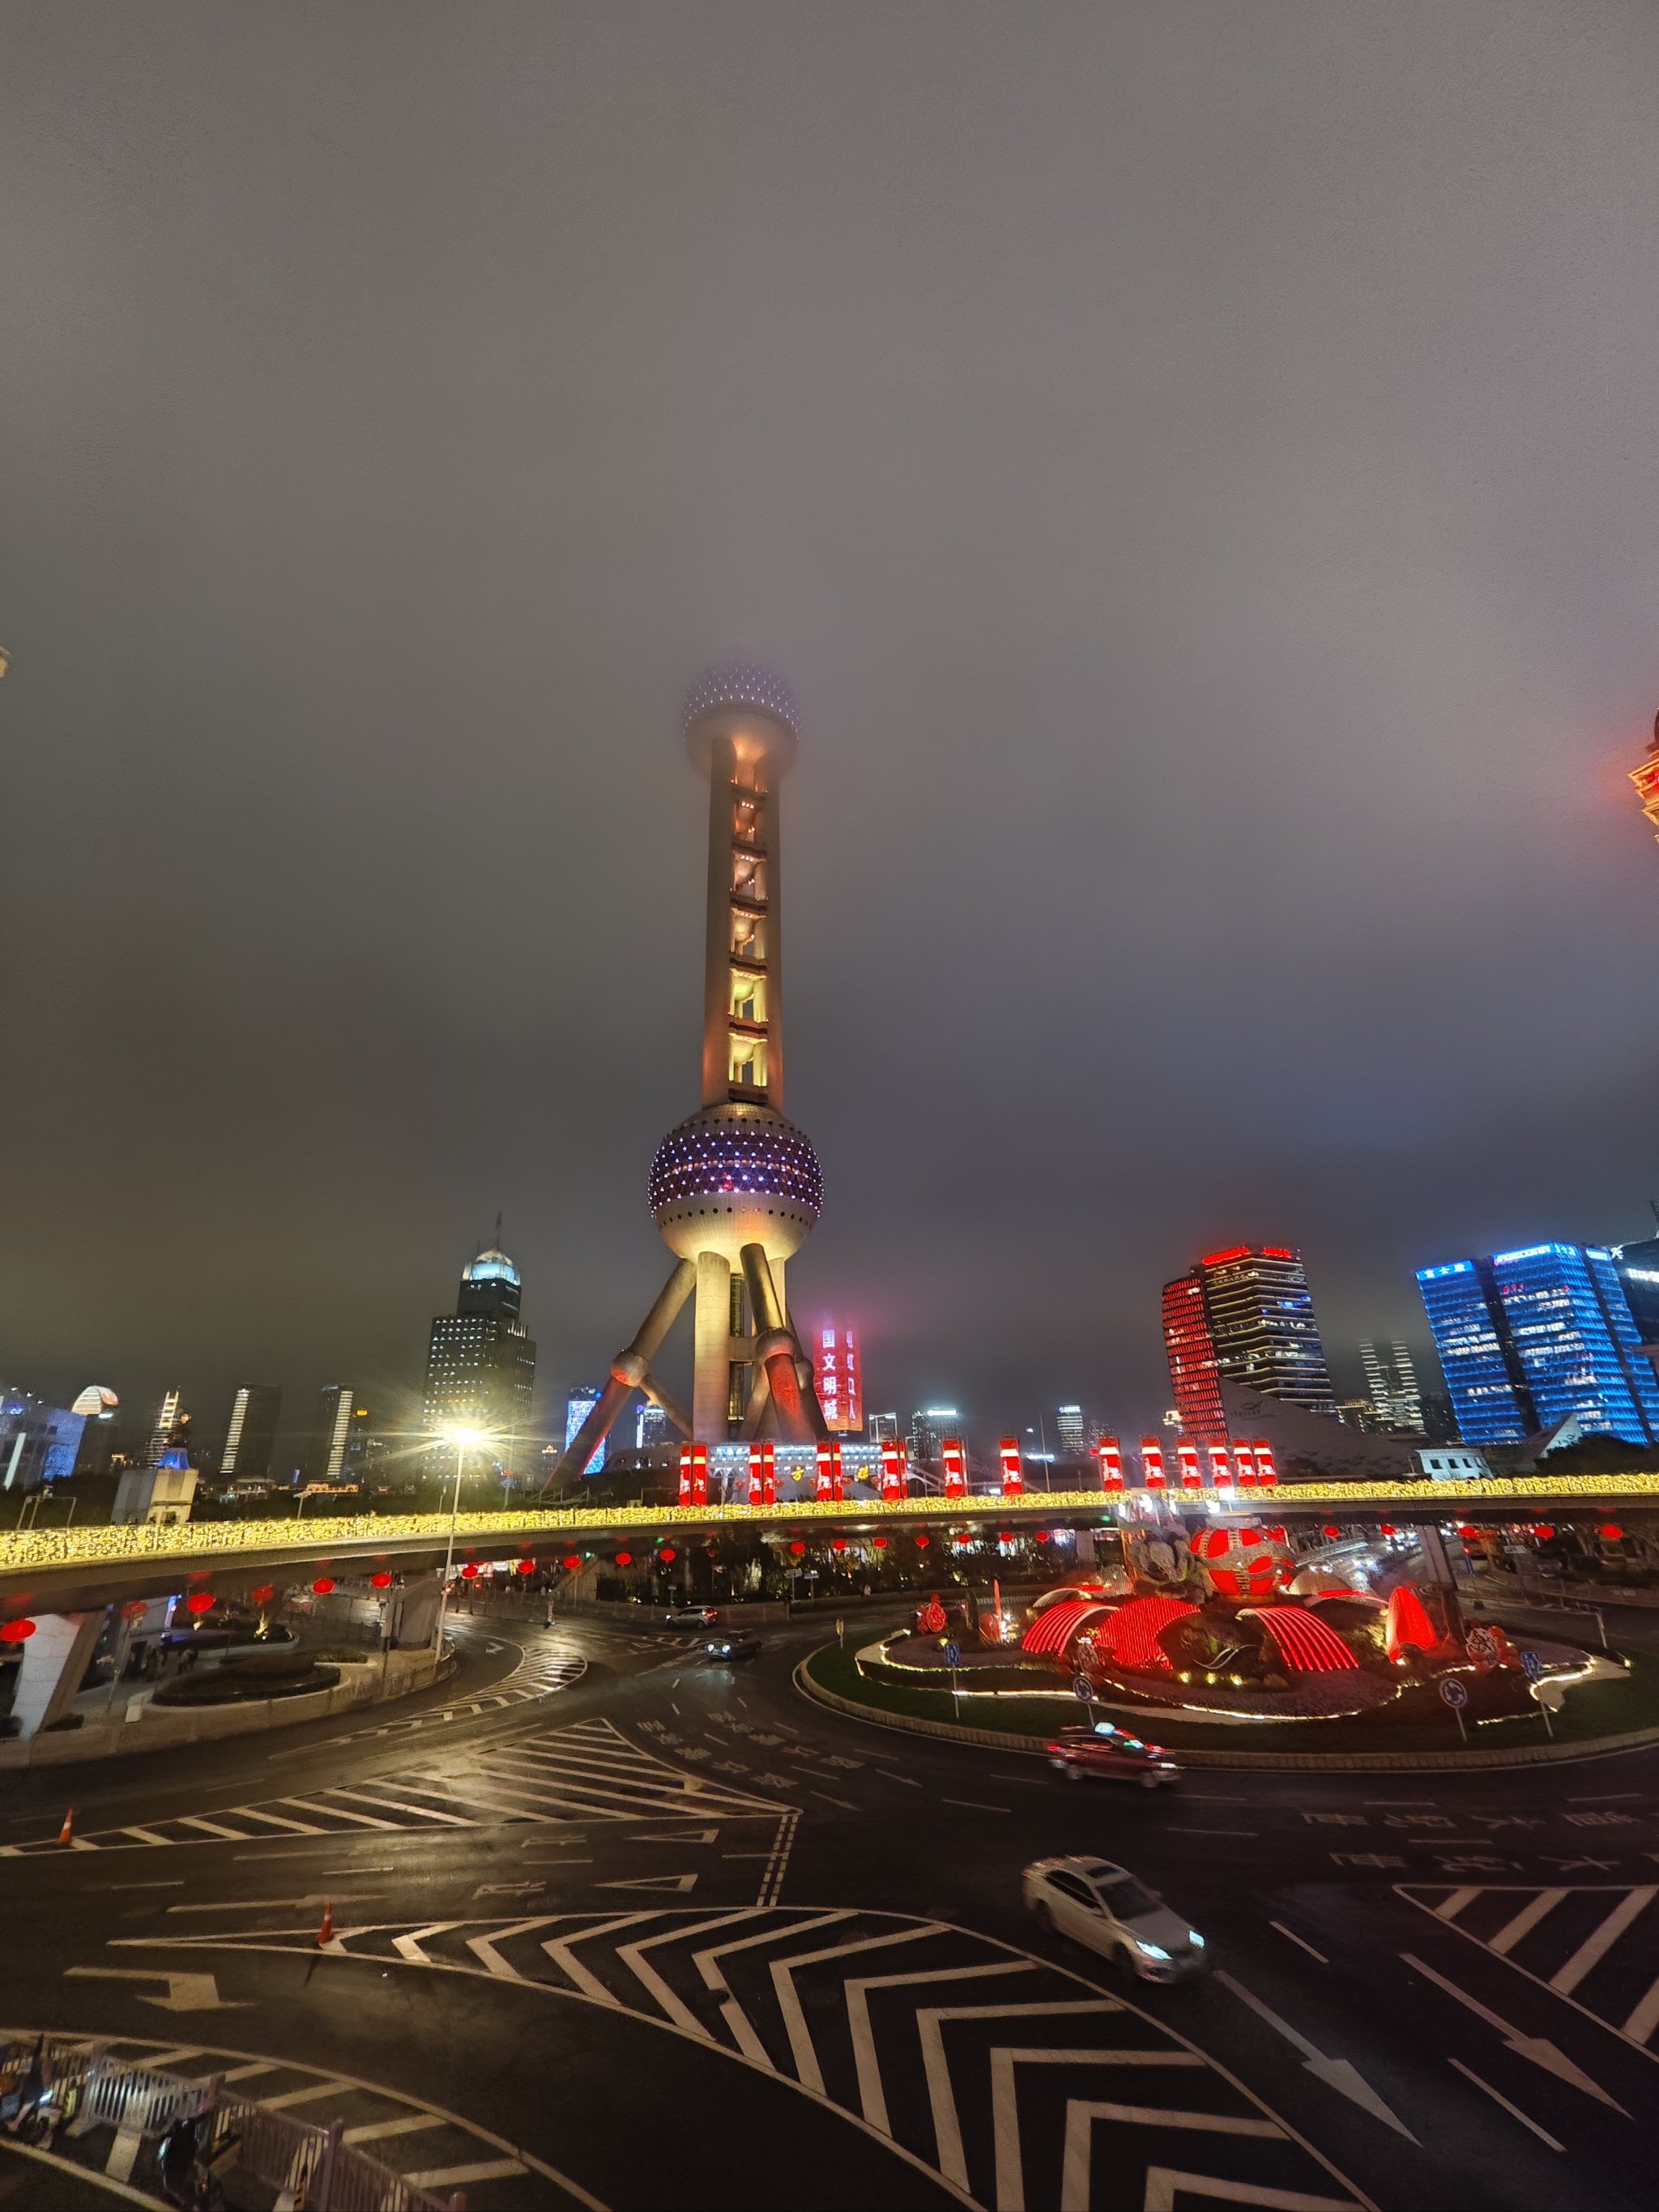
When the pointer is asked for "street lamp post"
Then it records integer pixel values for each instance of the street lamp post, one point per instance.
(460, 1439)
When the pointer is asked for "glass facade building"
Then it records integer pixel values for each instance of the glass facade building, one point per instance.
(1533, 1337)
(1244, 1316)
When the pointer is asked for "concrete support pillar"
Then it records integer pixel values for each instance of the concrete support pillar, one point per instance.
(54, 1660)
(712, 1346)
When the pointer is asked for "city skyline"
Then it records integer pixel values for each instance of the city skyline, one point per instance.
(1244, 712)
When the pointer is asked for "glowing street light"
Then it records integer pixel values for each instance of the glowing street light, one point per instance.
(464, 1439)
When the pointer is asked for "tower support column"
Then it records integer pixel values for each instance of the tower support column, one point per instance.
(712, 1349)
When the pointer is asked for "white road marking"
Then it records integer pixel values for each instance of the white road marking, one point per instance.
(807, 2070)
(135, 1885)
(452, 2176)
(1524, 1921)
(1338, 2073)
(872, 2096)
(563, 1955)
(377, 2130)
(973, 1805)
(1595, 1947)
(730, 2011)
(1300, 1941)
(1498, 2097)
(1538, 2048)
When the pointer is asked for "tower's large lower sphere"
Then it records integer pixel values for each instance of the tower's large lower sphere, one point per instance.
(735, 1175)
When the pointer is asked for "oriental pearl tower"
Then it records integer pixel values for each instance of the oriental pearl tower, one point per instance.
(734, 1189)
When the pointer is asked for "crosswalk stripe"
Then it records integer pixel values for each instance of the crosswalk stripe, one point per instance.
(371, 1796)
(1645, 2018)
(213, 1827)
(1526, 1920)
(1597, 1945)
(1449, 1909)
(276, 1820)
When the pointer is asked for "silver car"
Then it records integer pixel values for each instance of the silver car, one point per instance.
(1100, 1904)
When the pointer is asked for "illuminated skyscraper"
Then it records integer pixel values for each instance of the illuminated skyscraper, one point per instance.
(1646, 780)
(580, 1404)
(480, 1365)
(1070, 1433)
(1391, 1386)
(251, 1434)
(735, 1189)
(338, 1436)
(838, 1370)
(1528, 1337)
(1244, 1316)
(1638, 1271)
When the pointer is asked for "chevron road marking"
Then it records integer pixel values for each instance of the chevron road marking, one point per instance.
(634, 1955)
(730, 2011)
(947, 2125)
(563, 1955)
(800, 2040)
(1005, 2111)
(872, 2098)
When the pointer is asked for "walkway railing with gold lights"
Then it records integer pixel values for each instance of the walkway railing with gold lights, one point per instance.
(33, 1549)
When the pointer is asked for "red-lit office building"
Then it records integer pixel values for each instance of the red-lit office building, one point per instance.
(838, 1372)
(1244, 1316)
(1646, 780)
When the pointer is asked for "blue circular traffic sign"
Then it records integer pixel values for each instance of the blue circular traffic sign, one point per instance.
(1082, 1687)
(1531, 1665)
(952, 1654)
(1454, 1692)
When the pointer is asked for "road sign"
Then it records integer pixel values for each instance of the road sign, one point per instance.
(1455, 1693)
(1482, 1644)
(1531, 1665)
(1082, 1687)
(952, 1654)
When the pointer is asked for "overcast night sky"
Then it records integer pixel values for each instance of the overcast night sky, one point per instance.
(1195, 466)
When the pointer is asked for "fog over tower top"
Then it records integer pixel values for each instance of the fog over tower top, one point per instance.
(750, 705)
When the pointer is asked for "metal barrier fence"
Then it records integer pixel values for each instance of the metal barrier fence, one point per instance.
(313, 2164)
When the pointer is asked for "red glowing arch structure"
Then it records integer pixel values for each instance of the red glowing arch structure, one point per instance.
(1307, 1644)
(1408, 1621)
(1053, 1629)
(1129, 1638)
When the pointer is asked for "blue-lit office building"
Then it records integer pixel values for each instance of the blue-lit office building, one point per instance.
(1527, 1339)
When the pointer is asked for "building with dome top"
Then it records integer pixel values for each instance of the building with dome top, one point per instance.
(735, 1187)
(480, 1365)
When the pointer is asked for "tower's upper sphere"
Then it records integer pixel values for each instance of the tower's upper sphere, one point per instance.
(733, 1174)
(490, 1266)
(750, 705)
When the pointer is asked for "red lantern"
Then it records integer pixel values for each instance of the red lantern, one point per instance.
(797, 1550)
(264, 1594)
(469, 1572)
(1610, 1532)
(323, 1585)
(1388, 1528)
(1004, 1535)
(624, 1559)
(922, 1541)
(382, 1581)
(1042, 1535)
(133, 1609)
(880, 1543)
(15, 1631)
(1542, 1532)
(526, 1567)
(572, 1561)
(1467, 1534)
(668, 1555)
(199, 1602)
(838, 1543)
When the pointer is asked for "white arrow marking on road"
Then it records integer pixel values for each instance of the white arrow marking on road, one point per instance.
(1336, 2074)
(1539, 2048)
(679, 1883)
(692, 1836)
(185, 1992)
(508, 1888)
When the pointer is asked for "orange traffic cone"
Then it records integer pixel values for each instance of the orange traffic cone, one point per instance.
(325, 1932)
(66, 1833)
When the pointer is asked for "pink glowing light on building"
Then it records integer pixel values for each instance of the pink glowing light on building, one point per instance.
(838, 1371)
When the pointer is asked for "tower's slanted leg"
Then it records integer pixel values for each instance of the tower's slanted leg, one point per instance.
(629, 1372)
(796, 1410)
(711, 1371)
